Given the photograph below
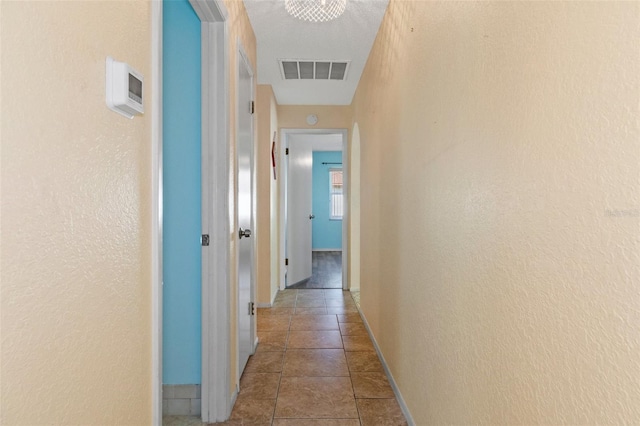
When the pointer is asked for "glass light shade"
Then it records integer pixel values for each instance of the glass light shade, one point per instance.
(315, 10)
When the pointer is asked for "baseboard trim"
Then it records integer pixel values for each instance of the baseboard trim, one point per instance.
(232, 400)
(270, 304)
(394, 385)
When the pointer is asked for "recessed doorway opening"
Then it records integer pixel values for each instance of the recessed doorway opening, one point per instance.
(314, 202)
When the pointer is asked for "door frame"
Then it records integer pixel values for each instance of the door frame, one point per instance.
(217, 399)
(243, 60)
(282, 188)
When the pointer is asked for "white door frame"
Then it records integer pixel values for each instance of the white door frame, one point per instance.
(216, 398)
(243, 60)
(282, 188)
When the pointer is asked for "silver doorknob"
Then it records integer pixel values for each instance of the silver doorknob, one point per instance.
(312, 216)
(244, 233)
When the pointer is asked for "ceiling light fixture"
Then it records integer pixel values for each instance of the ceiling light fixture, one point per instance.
(315, 10)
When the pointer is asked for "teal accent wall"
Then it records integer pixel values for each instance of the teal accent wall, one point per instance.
(182, 260)
(326, 234)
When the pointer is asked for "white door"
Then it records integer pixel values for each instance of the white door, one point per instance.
(299, 214)
(245, 213)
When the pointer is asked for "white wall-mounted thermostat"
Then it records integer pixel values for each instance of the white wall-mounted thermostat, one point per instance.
(124, 88)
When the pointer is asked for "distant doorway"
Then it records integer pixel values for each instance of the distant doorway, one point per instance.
(314, 203)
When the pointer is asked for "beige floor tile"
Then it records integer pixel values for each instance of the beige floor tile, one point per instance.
(275, 311)
(371, 385)
(316, 295)
(335, 293)
(341, 310)
(316, 422)
(339, 303)
(311, 292)
(265, 362)
(259, 385)
(182, 421)
(281, 296)
(287, 294)
(289, 303)
(310, 303)
(314, 340)
(272, 340)
(311, 311)
(315, 363)
(357, 343)
(314, 322)
(353, 329)
(252, 411)
(380, 412)
(364, 361)
(316, 397)
(273, 322)
(350, 317)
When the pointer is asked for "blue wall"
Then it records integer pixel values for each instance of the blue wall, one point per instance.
(182, 258)
(327, 234)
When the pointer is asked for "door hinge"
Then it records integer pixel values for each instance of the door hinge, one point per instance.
(253, 107)
(252, 308)
(286, 262)
(286, 151)
(205, 239)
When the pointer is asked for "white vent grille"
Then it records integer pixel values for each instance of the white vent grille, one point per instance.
(295, 69)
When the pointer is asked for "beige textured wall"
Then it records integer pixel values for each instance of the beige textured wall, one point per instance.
(76, 198)
(501, 209)
(266, 191)
(354, 209)
(240, 30)
(275, 206)
(329, 117)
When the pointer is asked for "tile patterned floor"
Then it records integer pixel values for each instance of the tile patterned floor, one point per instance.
(314, 365)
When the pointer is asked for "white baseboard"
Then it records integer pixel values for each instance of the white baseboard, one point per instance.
(233, 399)
(329, 249)
(394, 385)
(273, 299)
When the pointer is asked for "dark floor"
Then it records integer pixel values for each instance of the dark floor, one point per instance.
(326, 271)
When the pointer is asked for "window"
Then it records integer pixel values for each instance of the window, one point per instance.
(335, 194)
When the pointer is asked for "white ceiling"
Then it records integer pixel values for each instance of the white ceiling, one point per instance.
(281, 36)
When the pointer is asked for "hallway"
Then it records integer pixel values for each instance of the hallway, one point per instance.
(315, 365)
(319, 366)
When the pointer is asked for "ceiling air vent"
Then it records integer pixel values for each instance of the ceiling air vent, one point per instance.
(293, 69)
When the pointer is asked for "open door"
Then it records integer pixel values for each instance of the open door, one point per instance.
(245, 198)
(299, 214)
